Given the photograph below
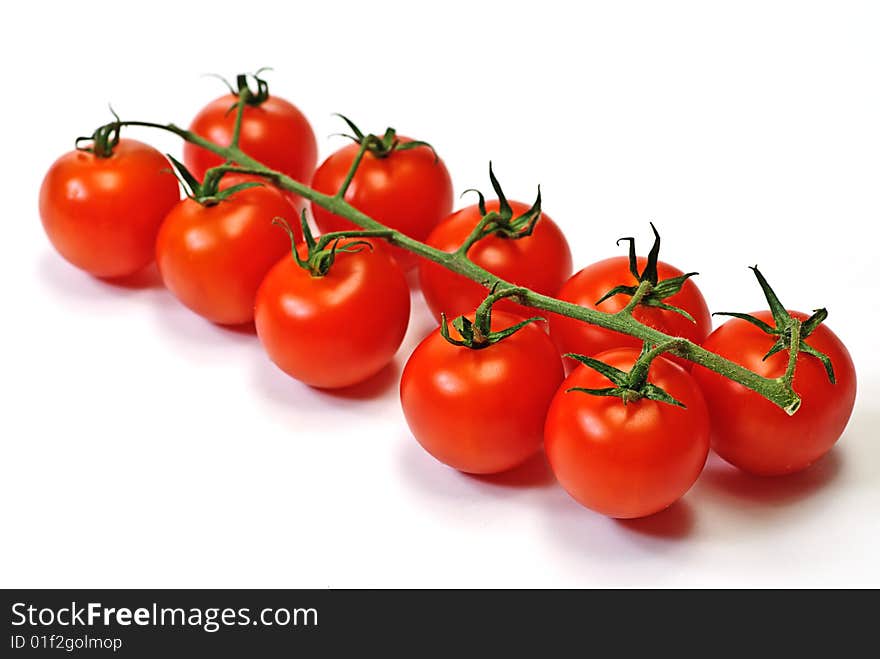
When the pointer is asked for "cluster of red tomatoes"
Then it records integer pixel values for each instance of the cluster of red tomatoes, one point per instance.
(335, 317)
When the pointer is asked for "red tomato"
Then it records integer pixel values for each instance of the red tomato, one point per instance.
(752, 433)
(541, 262)
(628, 460)
(275, 132)
(406, 190)
(481, 411)
(213, 258)
(594, 281)
(102, 214)
(337, 329)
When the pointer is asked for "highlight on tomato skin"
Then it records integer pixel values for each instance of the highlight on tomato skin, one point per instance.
(540, 262)
(481, 411)
(627, 460)
(335, 330)
(102, 214)
(591, 283)
(213, 258)
(408, 190)
(753, 434)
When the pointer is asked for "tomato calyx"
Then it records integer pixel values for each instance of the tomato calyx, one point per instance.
(633, 385)
(321, 253)
(242, 89)
(650, 292)
(478, 334)
(103, 140)
(502, 222)
(382, 147)
(207, 192)
(790, 332)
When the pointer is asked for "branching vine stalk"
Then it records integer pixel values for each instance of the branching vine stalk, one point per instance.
(777, 390)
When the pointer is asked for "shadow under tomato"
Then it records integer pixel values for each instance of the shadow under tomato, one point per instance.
(145, 278)
(776, 490)
(373, 387)
(244, 329)
(534, 472)
(673, 523)
(71, 282)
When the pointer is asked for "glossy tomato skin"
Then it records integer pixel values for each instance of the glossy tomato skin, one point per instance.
(755, 435)
(633, 460)
(275, 132)
(481, 411)
(406, 190)
(540, 262)
(594, 281)
(339, 329)
(213, 258)
(102, 214)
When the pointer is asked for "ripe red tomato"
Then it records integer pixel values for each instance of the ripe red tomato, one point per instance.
(541, 262)
(213, 258)
(628, 460)
(586, 287)
(337, 329)
(102, 214)
(275, 132)
(752, 433)
(408, 190)
(481, 410)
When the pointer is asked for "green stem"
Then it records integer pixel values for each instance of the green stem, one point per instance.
(239, 114)
(476, 233)
(340, 194)
(639, 373)
(793, 351)
(328, 238)
(644, 289)
(773, 389)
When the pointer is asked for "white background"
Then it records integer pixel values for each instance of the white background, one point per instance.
(142, 446)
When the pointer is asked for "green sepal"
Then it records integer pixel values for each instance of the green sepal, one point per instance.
(415, 144)
(617, 290)
(669, 287)
(262, 93)
(478, 334)
(444, 332)
(500, 335)
(618, 377)
(524, 225)
(382, 147)
(207, 192)
(481, 204)
(222, 195)
(659, 304)
(502, 222)
(627, 388)
(103, 139)
(653, 392)
(780, 315)
(757, 322)
(810, 324)
(615, 392)
(504, 208)
(464, 327)
(783, 327)
(650, 272)
(191, 185)
(822, 357)
(660, 290)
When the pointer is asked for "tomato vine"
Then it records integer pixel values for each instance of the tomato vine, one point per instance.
(777, 390)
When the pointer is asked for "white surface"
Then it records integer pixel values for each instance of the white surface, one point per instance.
(142, 446)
